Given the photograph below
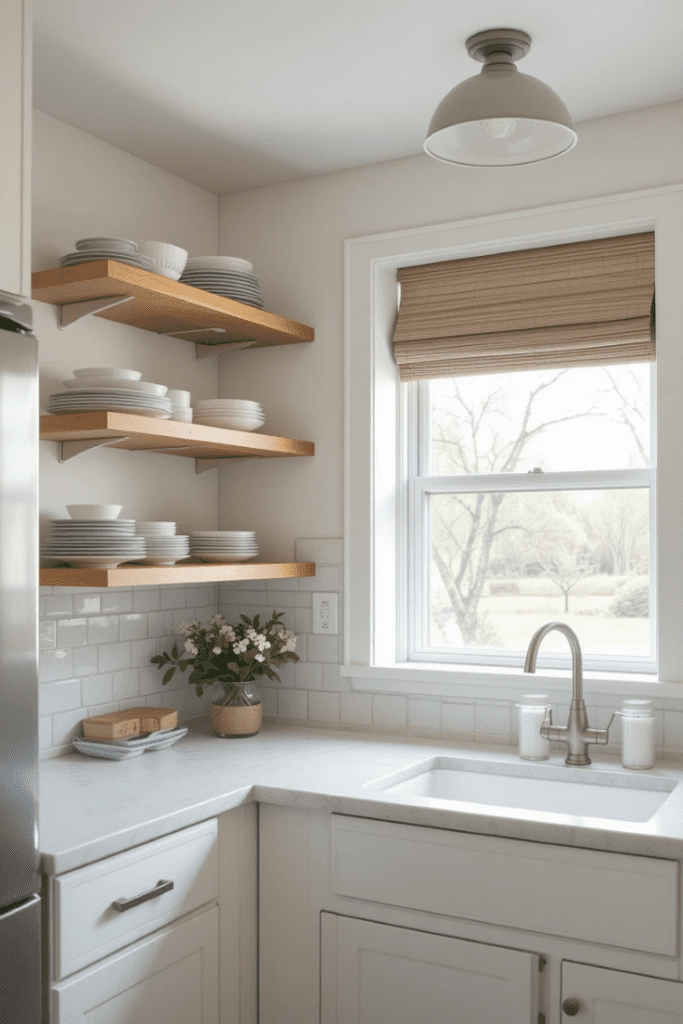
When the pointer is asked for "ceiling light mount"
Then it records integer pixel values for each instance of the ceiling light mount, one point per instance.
(500, 117)
(485, 46)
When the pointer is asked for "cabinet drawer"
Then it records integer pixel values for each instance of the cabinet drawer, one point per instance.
(87, 927)
(608, 898)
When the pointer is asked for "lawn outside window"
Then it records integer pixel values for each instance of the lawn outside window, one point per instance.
(399, 491)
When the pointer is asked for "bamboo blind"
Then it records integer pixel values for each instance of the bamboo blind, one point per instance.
(565, 305)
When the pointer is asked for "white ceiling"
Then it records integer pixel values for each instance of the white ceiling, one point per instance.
(236, 94)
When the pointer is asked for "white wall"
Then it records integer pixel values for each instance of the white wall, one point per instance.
(95, 647)
(294, 235)
(83, 187)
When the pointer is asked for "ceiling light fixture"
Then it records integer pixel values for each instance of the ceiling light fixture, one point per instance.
(499, 117)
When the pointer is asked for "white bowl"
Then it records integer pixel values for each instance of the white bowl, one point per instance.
(162, 528)
(169, 260)
(104, 371)
(178, 397)
(94, 511)
(220, 263)
(207, 403)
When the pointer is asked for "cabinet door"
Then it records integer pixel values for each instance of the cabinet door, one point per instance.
(379, 974)
(614, 997)
(15, 115)
(169, 978)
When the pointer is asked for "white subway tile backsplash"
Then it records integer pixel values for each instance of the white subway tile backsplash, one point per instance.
(322, 648)
(96, 690)
(355, 708)
(115, 601)
(87, 604)
(60, 696)
(389, 711)
(103, 629)
(72, 632)
(96, 650)
(323, 707)
(113, 657)
(133, 626)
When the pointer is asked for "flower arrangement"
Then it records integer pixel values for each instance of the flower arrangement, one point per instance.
(231, 655)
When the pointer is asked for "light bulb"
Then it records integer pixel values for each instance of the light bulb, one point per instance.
(500, 127)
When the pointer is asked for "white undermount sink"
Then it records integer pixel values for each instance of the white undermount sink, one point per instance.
(579, 792)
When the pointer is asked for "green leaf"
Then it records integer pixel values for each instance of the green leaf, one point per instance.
(174, 652)
(245, 620)
(159, 659)
(199, 690)
(182, 665)
(169, 675)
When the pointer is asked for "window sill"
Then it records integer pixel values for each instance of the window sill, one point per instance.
(425, 679)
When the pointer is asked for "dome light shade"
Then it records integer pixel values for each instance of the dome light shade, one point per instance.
(499, 117)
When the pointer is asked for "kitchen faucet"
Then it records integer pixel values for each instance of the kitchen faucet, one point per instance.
(577, 734)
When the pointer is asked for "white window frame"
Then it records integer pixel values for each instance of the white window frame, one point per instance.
(375, 634)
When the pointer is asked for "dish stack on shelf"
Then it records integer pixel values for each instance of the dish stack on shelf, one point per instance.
(164, 545)
(96, 388)
(95, 543)
(229, 276)
(229, 413)
(181, 409)
(223, 545)
(89, 250)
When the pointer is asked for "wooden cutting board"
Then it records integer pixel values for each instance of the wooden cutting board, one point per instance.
(118, 725)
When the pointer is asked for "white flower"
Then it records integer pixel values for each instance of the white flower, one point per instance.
(215, 619)
(191, 649)
(217, 650)
(259, 657)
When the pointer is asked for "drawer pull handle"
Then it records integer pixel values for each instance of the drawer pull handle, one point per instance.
(571, 1007)
(135, 901)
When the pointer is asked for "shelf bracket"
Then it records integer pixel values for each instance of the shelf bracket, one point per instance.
(202, 351)
(201, 465)
(70, 449)
(74, 311)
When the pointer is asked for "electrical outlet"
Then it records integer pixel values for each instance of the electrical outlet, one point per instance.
(324, 613)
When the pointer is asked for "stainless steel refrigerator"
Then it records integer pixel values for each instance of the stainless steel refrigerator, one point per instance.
(20, 973)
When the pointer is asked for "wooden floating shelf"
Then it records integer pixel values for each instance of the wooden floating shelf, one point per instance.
(155, 576)
(142, 433)
(166, 307)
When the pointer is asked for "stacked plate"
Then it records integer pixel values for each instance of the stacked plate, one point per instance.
(223, 545)
(164, 546)
(97, 543)
(228, 413)
(88, 250)
(89, 391)
(228, 276)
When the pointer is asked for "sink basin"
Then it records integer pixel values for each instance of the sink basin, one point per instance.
(579, 792)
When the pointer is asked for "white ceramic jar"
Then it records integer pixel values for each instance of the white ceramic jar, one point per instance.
(533, 709)
(637, 734)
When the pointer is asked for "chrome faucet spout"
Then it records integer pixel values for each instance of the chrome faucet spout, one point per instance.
(577, 734)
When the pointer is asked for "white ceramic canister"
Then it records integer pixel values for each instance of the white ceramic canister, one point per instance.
(532, 711)
(637, 734)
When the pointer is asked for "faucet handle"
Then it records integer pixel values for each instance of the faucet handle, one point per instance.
(600, 736)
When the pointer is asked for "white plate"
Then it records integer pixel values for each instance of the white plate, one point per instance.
(224, 559)
(121, 394)
(91, 562)
(222, 533)
(115, 244)
(112, 373)
(232, 404)
(220, 262)
(155, 414)
(133, 260)
(107, 524)
(114, 384)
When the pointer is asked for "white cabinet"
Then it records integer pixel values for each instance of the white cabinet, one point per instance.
(386, 975)
(171, 977)
(15, 131)
(382, 922)
(591, 995)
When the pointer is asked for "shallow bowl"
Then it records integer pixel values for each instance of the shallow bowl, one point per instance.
(106, 371)
(94, 511)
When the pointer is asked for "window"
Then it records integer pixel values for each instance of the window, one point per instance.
(530, 500)
(390, 486)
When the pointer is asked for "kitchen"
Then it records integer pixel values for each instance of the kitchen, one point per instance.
(294, 232)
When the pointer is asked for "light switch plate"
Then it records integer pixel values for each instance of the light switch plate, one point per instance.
(325, 613)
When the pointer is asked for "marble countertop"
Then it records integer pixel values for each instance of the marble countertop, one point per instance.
(92, 808)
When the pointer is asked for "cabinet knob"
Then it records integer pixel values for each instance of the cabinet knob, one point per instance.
(571, 1007)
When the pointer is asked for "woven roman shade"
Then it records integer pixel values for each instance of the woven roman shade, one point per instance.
(562, 306)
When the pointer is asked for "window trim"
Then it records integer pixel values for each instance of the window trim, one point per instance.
(375, 465)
